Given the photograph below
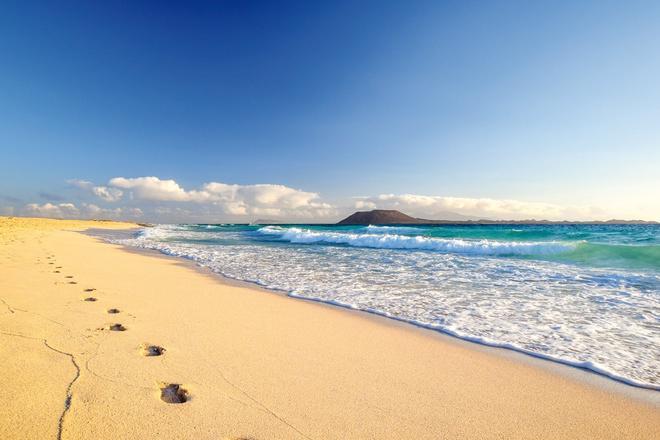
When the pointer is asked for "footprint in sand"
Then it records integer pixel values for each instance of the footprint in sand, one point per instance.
(90, 290)
(151, 350)
(72, 282)
(113, 311)
(56, 271)
(173, 393)
(115, 327)
(69, 276)
(90, 299)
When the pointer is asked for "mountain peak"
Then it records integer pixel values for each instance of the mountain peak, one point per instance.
(379, 217)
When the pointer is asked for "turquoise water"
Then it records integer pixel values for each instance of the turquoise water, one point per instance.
(620, 246)
(584, 295)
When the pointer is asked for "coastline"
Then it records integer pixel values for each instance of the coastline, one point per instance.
(584, 366)
(588, 376)
(261, 365)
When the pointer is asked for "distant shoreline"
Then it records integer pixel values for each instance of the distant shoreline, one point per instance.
(526, 222)
(394, 217)
(472, 222)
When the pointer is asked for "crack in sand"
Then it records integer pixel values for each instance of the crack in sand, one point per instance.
(18, 335)
(69, 396)
(7, 305)
(261, 405)
(107, 379)
(16, 309)
(116, 382)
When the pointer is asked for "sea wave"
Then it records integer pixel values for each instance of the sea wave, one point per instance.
(631, 256)
(397, 241)
(598, 319)
(392, 229)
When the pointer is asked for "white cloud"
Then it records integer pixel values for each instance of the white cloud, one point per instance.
(93, 211)
(153, 188)
(61, 210)
(166, 199)
(435, 206)
(79, 183)
(235, 200)
(86, 210)
(107, 194)
(134, 212)
(264, 199)
(102, 192)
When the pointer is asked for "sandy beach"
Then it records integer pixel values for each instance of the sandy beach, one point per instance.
(251, 364)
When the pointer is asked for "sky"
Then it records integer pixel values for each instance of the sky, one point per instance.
(307, 111)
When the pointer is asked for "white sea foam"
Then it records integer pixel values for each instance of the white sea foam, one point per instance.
(604, 320)
(396, 241)
(373, 229)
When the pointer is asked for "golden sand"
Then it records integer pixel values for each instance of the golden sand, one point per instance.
(100, 343)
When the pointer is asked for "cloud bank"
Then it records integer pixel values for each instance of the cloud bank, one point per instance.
(232, 199)
(85, 210)
(435, 207)
(61, 210)
(102, 192)
(151, 198)
(212, 201)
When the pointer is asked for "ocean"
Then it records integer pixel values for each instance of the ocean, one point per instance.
(582, 295)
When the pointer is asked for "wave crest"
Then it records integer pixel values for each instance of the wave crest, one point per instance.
(395, 241)
(392, 229)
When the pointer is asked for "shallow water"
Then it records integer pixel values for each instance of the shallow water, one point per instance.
(584, 295)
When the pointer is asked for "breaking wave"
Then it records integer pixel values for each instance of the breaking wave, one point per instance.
(397, 241)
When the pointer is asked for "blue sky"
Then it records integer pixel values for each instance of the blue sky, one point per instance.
(488, 109)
